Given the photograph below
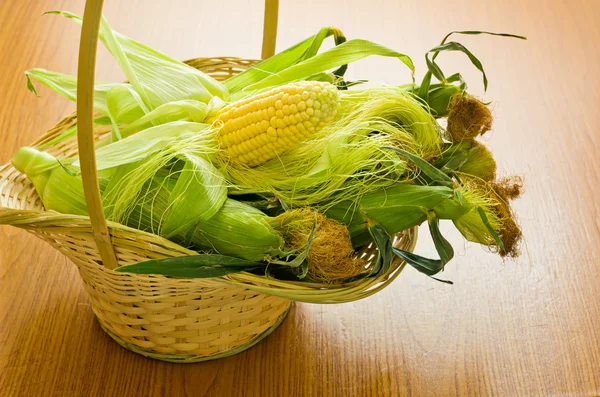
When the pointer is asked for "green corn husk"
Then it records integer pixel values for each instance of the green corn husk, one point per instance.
(403, 206)
(438, 99)
(480, 163)
(396, 208)
(235, 229)
(469, 157)
(491, 221)
(157, 78)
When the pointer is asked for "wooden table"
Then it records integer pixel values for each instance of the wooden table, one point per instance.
(529, 327)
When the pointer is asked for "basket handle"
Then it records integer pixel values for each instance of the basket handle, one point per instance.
(270, 28)
(86, 70)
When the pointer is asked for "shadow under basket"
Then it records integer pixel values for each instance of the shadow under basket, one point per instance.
(178, 320)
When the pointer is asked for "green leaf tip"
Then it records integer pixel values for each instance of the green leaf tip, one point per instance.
(30, 85)
(427, 266)
(436, 71)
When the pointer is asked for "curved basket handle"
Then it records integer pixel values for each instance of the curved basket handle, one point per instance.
(86, 70)
(270, 28)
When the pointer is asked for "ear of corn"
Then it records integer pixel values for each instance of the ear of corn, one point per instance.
(255, 130)
(345, 159)
(469, 157)
(396, 208)
(236, 229)
(480, 163)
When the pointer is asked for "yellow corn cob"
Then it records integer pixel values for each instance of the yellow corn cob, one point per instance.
(257, 129)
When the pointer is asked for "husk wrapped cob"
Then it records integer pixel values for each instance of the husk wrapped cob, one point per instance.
(283, 166)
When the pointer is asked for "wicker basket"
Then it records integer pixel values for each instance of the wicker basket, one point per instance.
(180, 320)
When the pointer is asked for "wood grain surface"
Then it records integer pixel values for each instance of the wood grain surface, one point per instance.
(529, 327)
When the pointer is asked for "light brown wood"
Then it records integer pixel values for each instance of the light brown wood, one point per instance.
(529, 327)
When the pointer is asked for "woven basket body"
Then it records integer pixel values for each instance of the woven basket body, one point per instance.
(170, 319)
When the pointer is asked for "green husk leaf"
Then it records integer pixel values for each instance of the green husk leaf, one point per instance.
(111, 191)
(63, 84)
(138, 146)
(479, 163)
(282, 60)
(188, 110)
(192, 266)
(66, 86)
(489, 227)
(345, 53)
(67, 170)
(199, 193)
(456, 162)
(102, 120)
(423, 91)
(457, 77)
(455, 46)
(439, 98)
(124, 106)
(436, 98)
(453, 209)
(480, 32)
(68, 133)
(32, 162)
(157, 78)
(428, 266)
(385, 253)
(396, 208)
(460, 198)
(424, 265)
(435, 174)
(303, 270)
(118, 103)
(30, 86)
(442, 246)
(451, 151)
(238, 230)
(434, 68)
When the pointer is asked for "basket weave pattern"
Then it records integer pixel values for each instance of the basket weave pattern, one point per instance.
(170, 319)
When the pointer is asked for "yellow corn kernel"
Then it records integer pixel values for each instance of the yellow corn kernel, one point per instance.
(280, 117)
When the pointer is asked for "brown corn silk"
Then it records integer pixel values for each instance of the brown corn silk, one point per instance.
(331, 256)
(468, 118)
